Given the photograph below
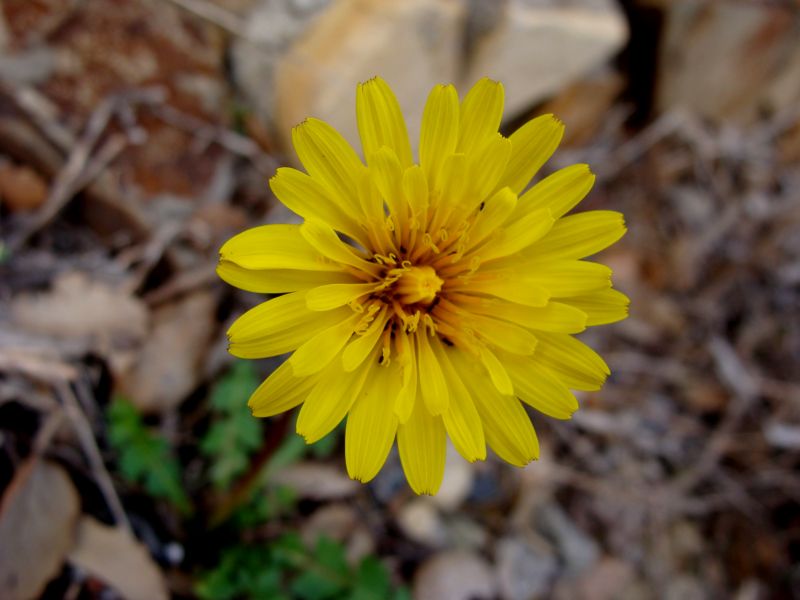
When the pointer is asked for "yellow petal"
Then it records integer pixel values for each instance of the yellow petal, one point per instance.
(281, 391)
(603, 307)
(371, 425)
(580, 235)
(433, 386)
(325, 241)
(481, 113)
(406, 397)
(359, 348)
(328, 297)
(274, 247)
(278, 326)
(387, 175)
(518, 235)
(421, 444)
(380, 120)
(415, 189)
(461, 419)
(315, 354)
(494, 213)
(507, 288)
(539, 387)
(531, 146)
(329, 159)
(577, 365)
(329, 400)
(439, 131)
(276, 281)
(502, 334)
(565, 278)
(486, 166)
(559, 192)
(453, 182)
(506, 425)
(497, 372)
(555, 316)
(301, 194)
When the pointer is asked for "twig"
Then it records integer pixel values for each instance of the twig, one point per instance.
(216, 15)
(733, 374)
(86, 436)
(228, 139)
(79, 170)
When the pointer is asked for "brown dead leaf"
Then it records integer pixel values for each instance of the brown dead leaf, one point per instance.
(170, 363)
(38, 514)
(77, 307)
(21, 188)
(114, 556)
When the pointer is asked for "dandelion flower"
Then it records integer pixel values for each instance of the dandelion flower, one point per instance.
(426, 300)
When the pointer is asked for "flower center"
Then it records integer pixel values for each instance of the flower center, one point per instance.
(418, 285)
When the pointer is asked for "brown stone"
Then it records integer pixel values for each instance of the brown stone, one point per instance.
(413, 45)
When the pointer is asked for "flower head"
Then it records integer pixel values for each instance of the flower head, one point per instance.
(426, 300)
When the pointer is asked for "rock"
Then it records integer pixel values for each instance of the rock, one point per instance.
(455, 575)
(525, 567)
(584, 106)
(577, 550)
(605, 581)
(413, 45)
(457, 483)
(536, 48)
(421, 522)
(339, 522)
(729, 60)
(270, 27)
(316, 481)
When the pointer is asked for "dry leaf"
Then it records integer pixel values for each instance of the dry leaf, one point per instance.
(78, 307)
(170, 362)
(38, 514)
(117, 558)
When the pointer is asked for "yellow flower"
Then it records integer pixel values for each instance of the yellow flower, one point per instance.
(425, 300)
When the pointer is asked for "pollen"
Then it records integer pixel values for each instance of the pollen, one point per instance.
(418, 285)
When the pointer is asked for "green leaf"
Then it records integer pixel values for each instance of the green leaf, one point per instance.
(235, 434)
(242, 571)
(372, 580)
(145, 458)
(313, 585)
(330, 555)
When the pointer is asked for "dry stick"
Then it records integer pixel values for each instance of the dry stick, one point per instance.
(227, 138)
(41, 112)
(744, 389)
(86, 436)
(73, 174)
(216, 15)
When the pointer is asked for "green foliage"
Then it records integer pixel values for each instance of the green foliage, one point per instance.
(266, 504)
(286, 569)
(145, 458)
(234, 434)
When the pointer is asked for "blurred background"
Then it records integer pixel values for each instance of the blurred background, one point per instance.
(136, 136)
